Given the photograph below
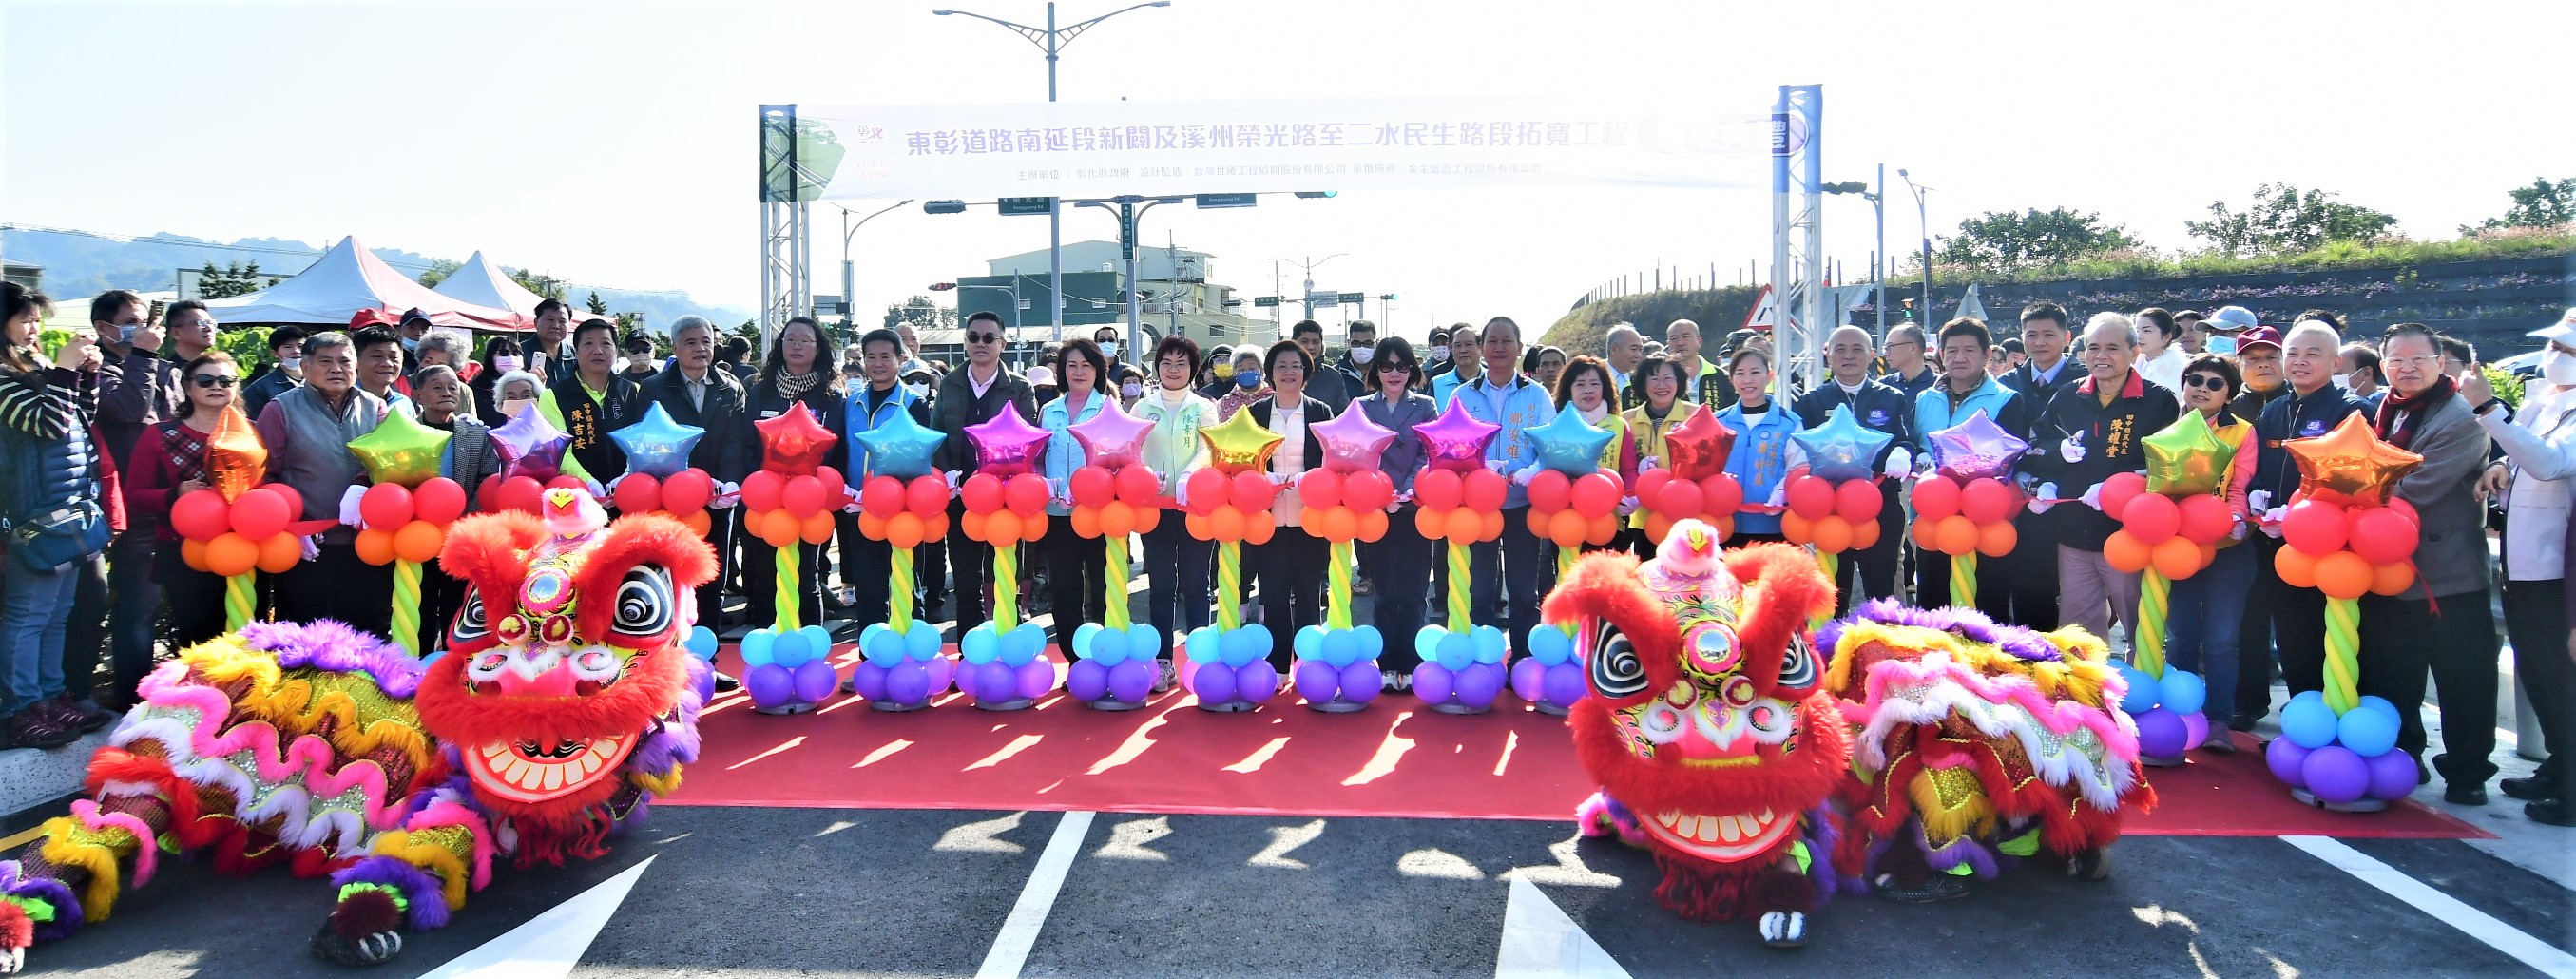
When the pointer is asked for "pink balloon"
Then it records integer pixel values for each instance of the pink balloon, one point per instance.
(1455, 441)
(1008, 445)
(1111, 438)
(1352, 442)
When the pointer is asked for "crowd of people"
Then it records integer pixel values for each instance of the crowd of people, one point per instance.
(100, 435)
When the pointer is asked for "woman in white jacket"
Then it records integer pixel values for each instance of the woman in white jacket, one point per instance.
(2540, 460)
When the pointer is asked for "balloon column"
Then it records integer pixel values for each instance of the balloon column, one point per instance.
(1229, 503)
(903, 502)
(658, 476)
(1342, 501)
(1114, 495)
(1005, 666)
(2171, 521)
(403, 518)
(1460, 500)
(1964, 507)
(1572, 502)
(237, 526)
(2347, 535)
(1692, 481)
(789, 500)
(1834, 507)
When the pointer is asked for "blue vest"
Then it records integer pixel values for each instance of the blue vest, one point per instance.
(1760, 460)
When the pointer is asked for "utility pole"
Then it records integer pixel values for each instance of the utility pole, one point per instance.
(1922, 216)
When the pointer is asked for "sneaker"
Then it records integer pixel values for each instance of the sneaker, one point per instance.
(1165, 675)
(2220, 741)
(725, 683)
(2536, 788)
(1362, 587)
(34, 727)
(83, 719)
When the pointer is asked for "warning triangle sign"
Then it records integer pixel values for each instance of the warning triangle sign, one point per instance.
(1765, 315)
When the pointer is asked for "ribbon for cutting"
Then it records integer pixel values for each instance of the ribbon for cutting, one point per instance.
(1114, 615)
(1229, 585)
(238, 602)
(1963, 580)
(1459, 582)
(786, 598)
(1337, 581)
(899, 605)
(2147, 646)
(2343, 652)
(1006, 589)
(406, 619)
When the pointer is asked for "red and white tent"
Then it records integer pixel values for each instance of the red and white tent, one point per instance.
(480, 283)
(349, 278)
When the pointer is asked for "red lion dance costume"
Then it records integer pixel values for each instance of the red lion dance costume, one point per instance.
(567, 703)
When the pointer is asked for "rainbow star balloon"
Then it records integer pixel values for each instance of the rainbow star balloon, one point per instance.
(1008, 445)
(1976, 449)
(656, 444)
(2187, 459)
(1352, 443)
(2351, 463)
(1570, 445)
(530, 446)
(793, 444)
(1456, 440)
(899, 447)
(1697, 448)
(1111, 438)
(401, 450)
(1240, 445)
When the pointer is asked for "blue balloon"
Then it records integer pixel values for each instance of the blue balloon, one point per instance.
(922, 642)
(1262, 642)
(818, 640)
(788, 649)
(756, 646)
(2143, 691)
(1550, 646)
(1341, 648)
(1204, 645)
(1109, 646)
(1490, 647)
(655, 445)
(1082, 638)
(1426, 643)
(1144, 641)
(1022, 644)
(1456, 651)
(2380, 704)
(702, 643)
(981, 644)
(2184, 692)
(899, 447)
(1309, 643)
(880, 645)
(1372, 642)
(2367, 732)
(2308, 722)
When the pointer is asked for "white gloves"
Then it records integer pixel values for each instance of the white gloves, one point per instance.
(1526, 473)
(1899, 463)
(953, 481)
(2093, 497)
(596, 491)
(1060, 491)
(312, 546)
(349, 506)
(1649, 462)
(2072, 450)
(611, 485)
(1779, 494)
(1282, 479)
(2236, 529)
(1923, 463)
(1627, 505)
(2260, 501)
(1499, 466)
(2272, 521)
(851, 507)
(2040, 496)
(727, 494)
(1181, 492)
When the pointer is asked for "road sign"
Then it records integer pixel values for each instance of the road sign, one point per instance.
(1323, 297)
(1025, 205)
(1265, 301)
(1228, 200)
(943, 207)
(1349, 298)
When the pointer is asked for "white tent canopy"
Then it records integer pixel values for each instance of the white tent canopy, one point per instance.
(349, 278)
(482, 284)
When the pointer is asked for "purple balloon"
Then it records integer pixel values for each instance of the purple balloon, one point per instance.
(1087, 680)
(1036, 677)
(1478, 685)
(1564, 684)
(2392, 775)
(1976, 448)
(2195, 729)
(815, 681)
(908, 683)
(1361, 682)
(769, 683)
(1256, 681)
(2160, 734)
(2286, 759)
(2335, 774)
(943, 670)
(1433, 683)
(869, 680)
(1317, 681)
(991, 682)
(1213, 682)
(1529, 679)
(1132, 681)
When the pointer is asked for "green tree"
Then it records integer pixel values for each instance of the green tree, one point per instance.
(234, 279)
(2002, 241)
(921, 313)
(2282, 218)
(2541, 205)
(439, 270)
(598, 306)
(544, 285)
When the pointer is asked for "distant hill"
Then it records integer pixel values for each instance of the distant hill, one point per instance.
(77, 265)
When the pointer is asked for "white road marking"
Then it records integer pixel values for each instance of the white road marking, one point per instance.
(1127, 840)
(1540, 941)
(1010, 949)
(981, 836)
(550, 944)
(1284, 839)
(2444, 908)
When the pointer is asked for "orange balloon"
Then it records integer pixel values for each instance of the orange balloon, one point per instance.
(1657, 527)
(973, 524)
(1927, 533)
(1601, 530)
(871, 526)
(2391, 579)
(903, 530)
(2126, 554)
(418, 542)
(817, 527)
(2175, 557)
(698, 521)
(1034, 526)
(1463, 525)
(1997, 539)
(1428, 523)
(1864, 535)
(1198, 526)
(1796, 528)
(1957, 535)
(1086, 521)
(1002, 528)
(1372, 525)
(1491, 527)
(1725, 528)
(2344, 574)
(1310, 520)
(1833, 534)
(1258, 530)
(1226, 523)
(1340, 524)
(1538, 523)
(279, 553)
(2298, 568)
(1147, 518)
(1567, 528)
(374, 547)
(779, 527)
(1118, 518)
(934, 526)
(194, 553)
(231, 554)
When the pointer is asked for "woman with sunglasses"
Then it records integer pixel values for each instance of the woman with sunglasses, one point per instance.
(1400, 572)
(799, 372)
(1585, 387)
(169, 461)
(1175, 562)
(1659, 385)
(2208, 608)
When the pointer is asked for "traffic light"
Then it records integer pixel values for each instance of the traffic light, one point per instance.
(1312, 194)
(943, 207)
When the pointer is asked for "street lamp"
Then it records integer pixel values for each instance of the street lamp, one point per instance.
(1130, 214)
(1052, 39)
(1922, 217)
(849, 299)
(1878, 204)
(1307, 295)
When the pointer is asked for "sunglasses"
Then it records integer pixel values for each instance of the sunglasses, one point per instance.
(983, 338)
(2211, 382)
(212, 380)
(1395, 367)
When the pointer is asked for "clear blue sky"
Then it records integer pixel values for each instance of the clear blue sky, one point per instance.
(615, 143)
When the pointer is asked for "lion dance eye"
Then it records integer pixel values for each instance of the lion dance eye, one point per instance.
(1797, 668)
(1772, 721)
(645, 607)
(471, 623)
(1614, 669)
(1660, 722)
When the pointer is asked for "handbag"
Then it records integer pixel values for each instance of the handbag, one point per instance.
(56, 539)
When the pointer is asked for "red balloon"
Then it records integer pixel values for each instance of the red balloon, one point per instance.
(2315, 527)
(1208, 490)
(1367, 489)
(1252, 491)
(836, 491)
(1438, 489)
(1320, 489)
(1680, 499)
(2205, 519)
(1811, 496)
(1935, 498)
(1026, 494)
(1137, 485)
(2380, 535)
(201, 515)
(2118, 490)
(489, 493)
(927, 497)
(1596, 495)
(2406, 510)
(637, 493)
(1858, 501)
(1093, 486)
(688, 491)
(1649, 483)
(260, 513)
(982, 493)
(519, 493)
(566, 481)
(439, 501)
(294, 500)
(802, 496)
(1721, 496)
(2151, 518)
(1988, 501)
(1484, 491)
(1550, 491)
(386, 506)
(881, 497)
(760, 490)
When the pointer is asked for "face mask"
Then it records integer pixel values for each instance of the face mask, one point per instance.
(1225, 372)
(2557, 368)
(1131, 389)
(1247, 381)
(125, 333)
(1440, 353)
(291, 363)
(2220, 345)
(2343, 381)
(918, 390)
(511, 408)
(505, 363)
(410, 344)
(1362, 355)
(1109, 350)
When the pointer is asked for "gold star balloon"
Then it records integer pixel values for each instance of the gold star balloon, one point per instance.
(401, 450)
(2350, 463)
(236, 460)
(2187, 459)
(1240, 445)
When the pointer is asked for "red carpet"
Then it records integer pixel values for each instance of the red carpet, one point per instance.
(1394, 759)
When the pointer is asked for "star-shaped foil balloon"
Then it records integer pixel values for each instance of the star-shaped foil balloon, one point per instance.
(899, 447)
(2187, 459)
(1352, 443)
(1697, 448)
(1240, 445)
(1455, 441)
(656, 445)
(1008, 445)
(1840, 449)
(401, 450)
(1976, 449)
(236, 460)
(1570, 445)
(2350, 463)
(1111, 438)
(793, 443)
(530, 446)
